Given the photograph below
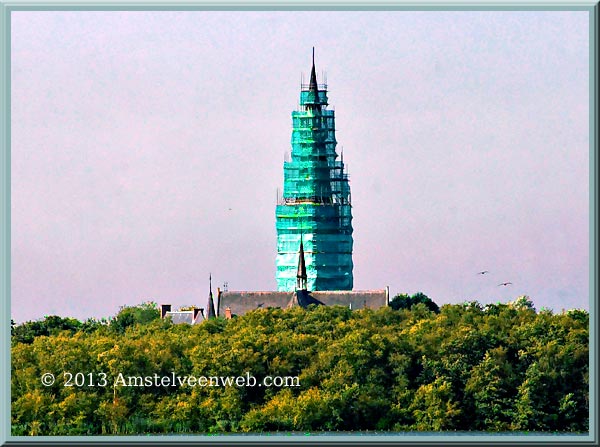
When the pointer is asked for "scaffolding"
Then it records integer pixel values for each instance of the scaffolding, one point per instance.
(315, 205)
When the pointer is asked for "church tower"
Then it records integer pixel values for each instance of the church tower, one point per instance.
(314, 212)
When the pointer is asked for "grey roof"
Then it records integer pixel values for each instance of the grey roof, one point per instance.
(373, 299)
(184, 316)
(241, 302)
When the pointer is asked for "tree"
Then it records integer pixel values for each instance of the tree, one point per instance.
(128, 316)
(523, 302)
(435, 407)
(403, 301)
(464, 368)
(50, 325)
(491, 387)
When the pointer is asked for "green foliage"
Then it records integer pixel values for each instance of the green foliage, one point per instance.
(501, 367)
(128, 316)
(403, 301)
(50, 325)
(522, 303)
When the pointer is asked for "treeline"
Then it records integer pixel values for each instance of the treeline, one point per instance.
(464, 367)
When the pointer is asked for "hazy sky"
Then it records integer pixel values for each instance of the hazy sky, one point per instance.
(133, 133)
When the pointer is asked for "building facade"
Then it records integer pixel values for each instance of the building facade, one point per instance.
(315, 206)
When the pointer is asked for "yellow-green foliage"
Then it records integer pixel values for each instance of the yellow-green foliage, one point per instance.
(467, 367)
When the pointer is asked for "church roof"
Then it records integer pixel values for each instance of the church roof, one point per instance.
(241, 302)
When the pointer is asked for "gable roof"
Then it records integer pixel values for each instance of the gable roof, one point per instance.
(241, 302)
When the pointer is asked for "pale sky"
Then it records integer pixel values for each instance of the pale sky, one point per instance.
(466, 135)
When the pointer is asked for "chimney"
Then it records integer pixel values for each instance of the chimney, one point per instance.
(228, 313)
(164, 308)
(196, 312)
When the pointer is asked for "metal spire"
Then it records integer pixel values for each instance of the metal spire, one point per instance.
(301, 277)
(313, 75)
(211, 304)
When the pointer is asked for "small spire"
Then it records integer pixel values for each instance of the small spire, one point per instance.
(211, 304)
(313, 75)
(301, 277)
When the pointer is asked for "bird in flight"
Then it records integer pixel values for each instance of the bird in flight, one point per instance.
(483, 273)
(505, 283)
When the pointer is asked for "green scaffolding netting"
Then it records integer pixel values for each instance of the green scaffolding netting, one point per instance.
(315, 205)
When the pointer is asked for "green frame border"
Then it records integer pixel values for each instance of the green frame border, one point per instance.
(359, 438)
